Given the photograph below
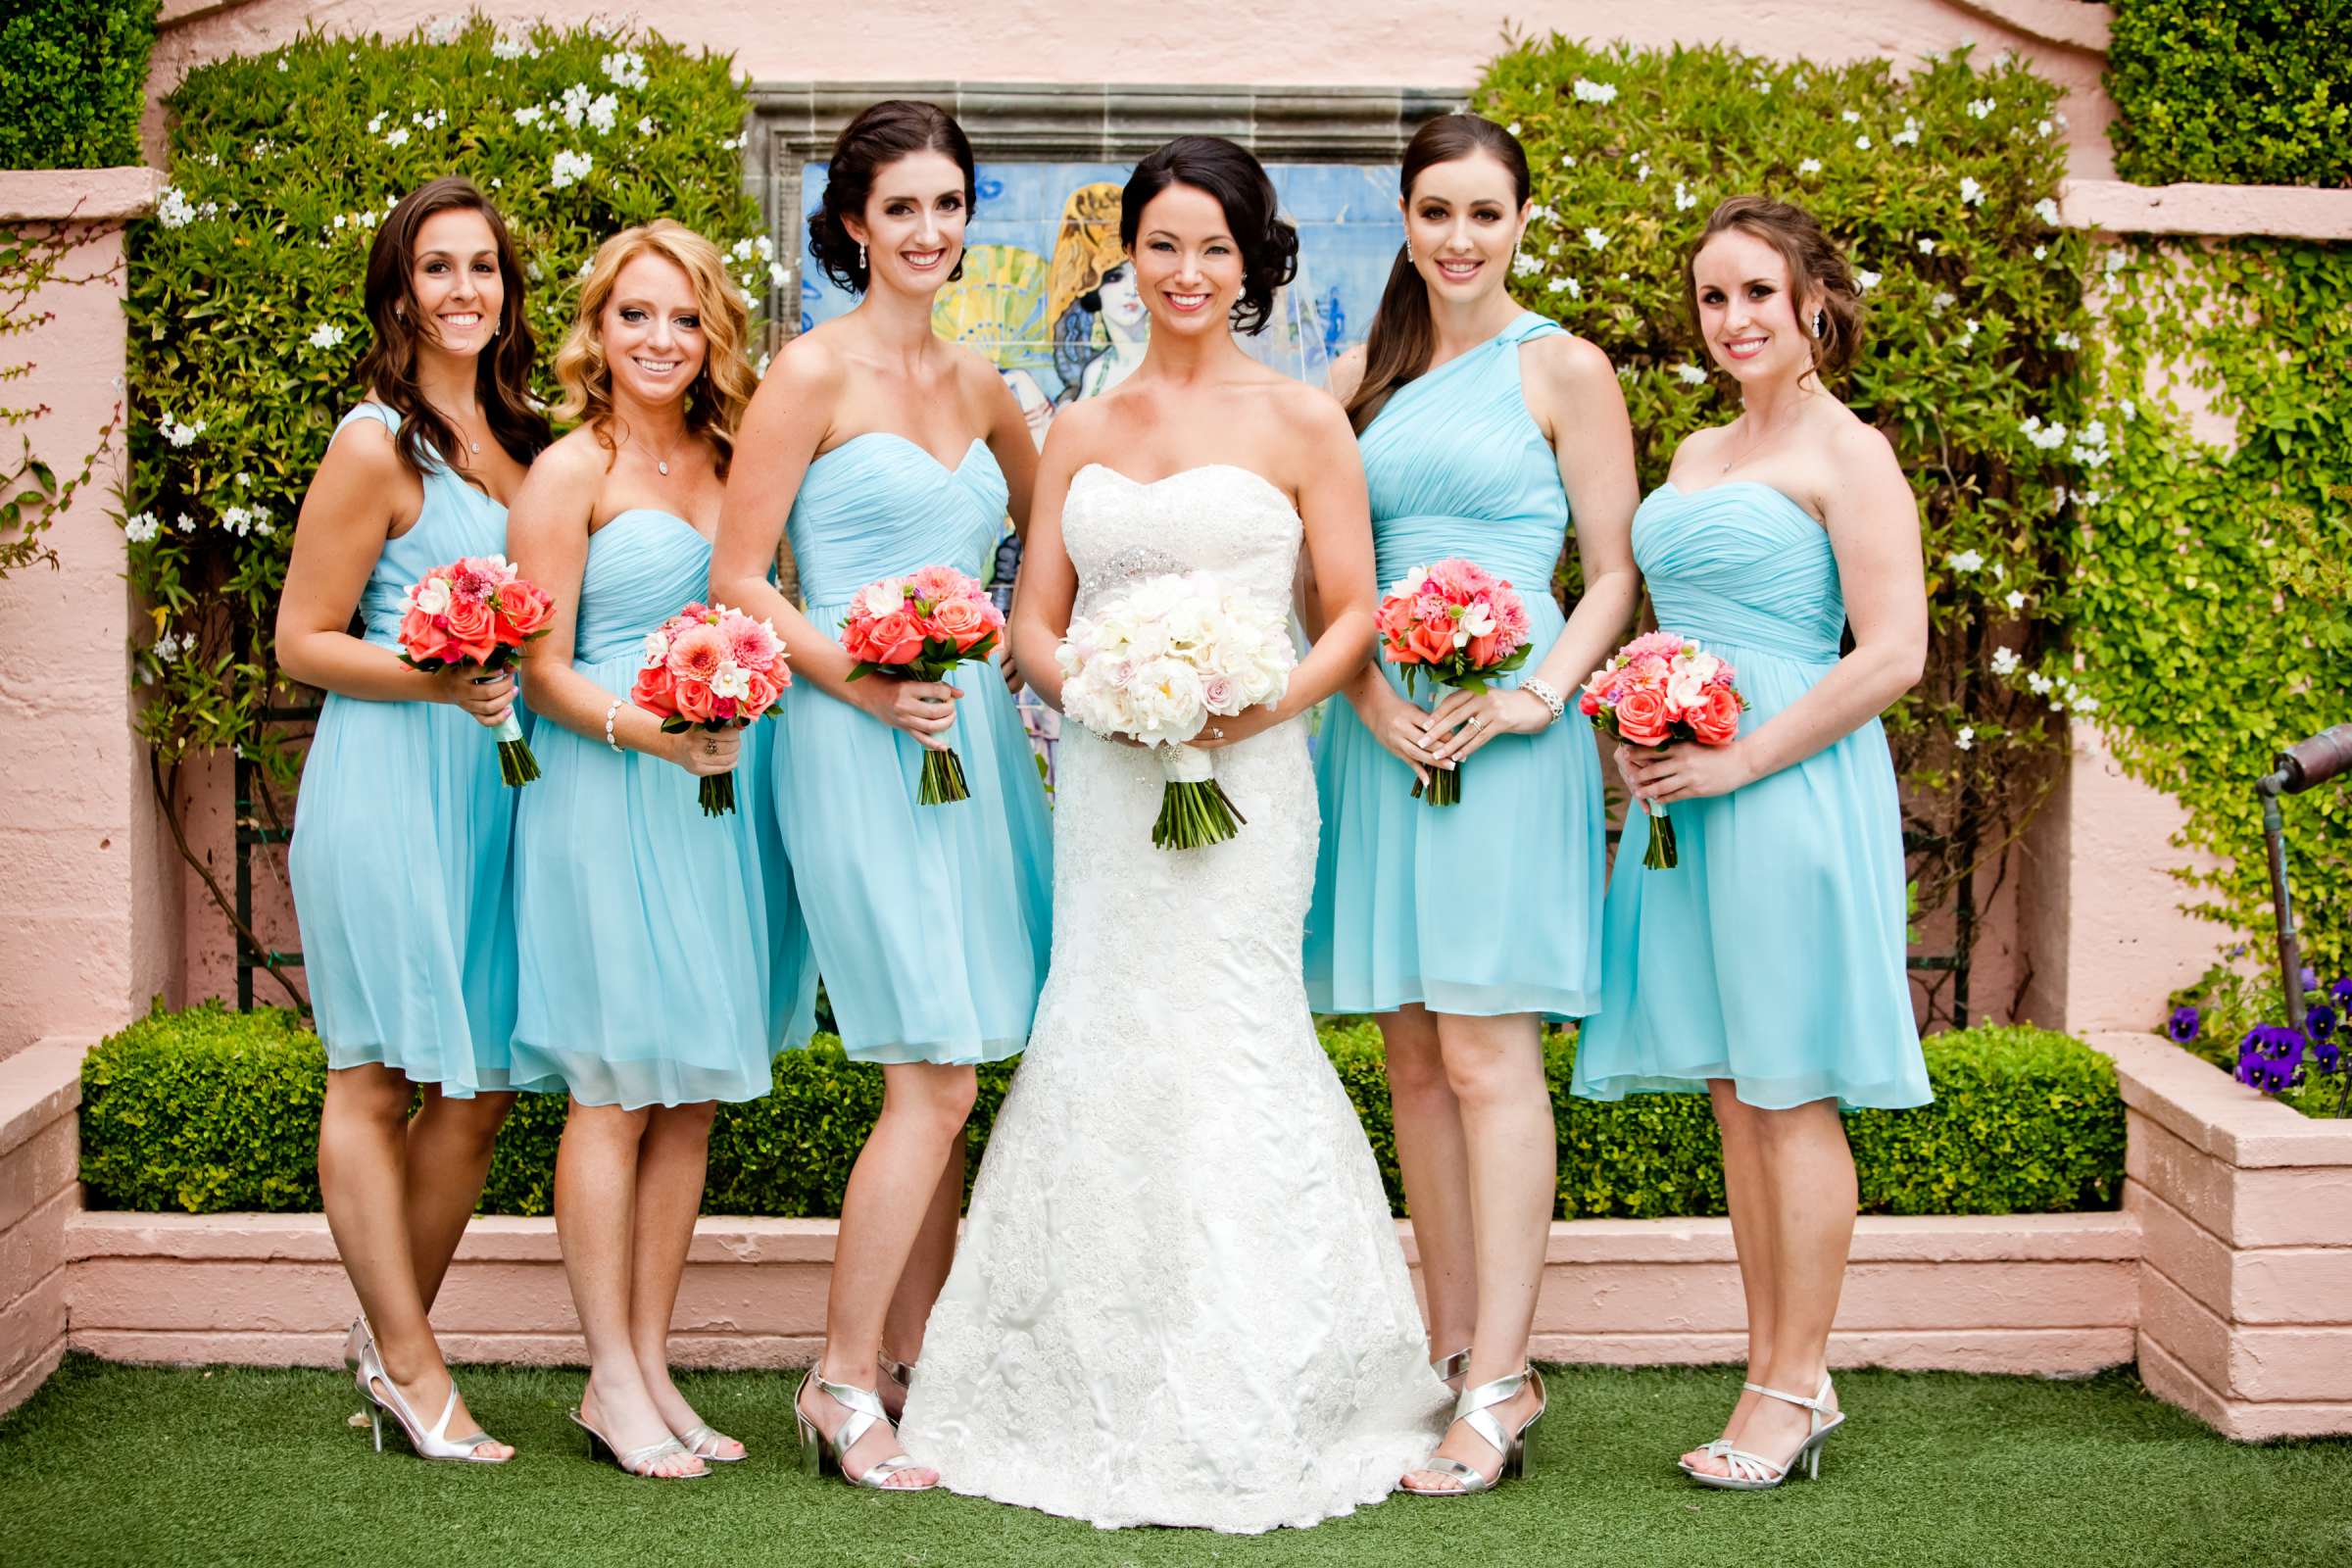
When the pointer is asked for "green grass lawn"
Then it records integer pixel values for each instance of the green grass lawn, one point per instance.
(111, 1464)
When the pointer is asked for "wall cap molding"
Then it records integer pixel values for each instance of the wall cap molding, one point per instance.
(2283, 211)
(78, 195)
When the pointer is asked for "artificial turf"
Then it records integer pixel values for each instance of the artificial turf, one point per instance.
(111, 1464)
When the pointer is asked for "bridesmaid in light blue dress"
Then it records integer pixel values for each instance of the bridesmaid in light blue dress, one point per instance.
(1767, 969)
(1485, 431)
(883, 448)
(645, 947)
(399, 860)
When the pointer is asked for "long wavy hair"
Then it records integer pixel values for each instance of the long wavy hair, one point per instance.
(1404, 337)
(1816, 266)
(501, 372)
(720, 390)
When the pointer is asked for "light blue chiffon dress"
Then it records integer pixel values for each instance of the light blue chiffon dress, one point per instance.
(930, 925)
(644, 945)
(1773, 955)
(399, 860)
(1491, 905)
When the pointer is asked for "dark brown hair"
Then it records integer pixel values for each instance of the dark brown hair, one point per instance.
(1228, 172)
(881, 135)
(1816, 267)
(1402, 336)
(501, 372)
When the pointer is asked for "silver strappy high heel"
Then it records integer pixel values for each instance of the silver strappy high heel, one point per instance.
(819, 1452)
(433, 1442)
(901, 1373)
(702, 1435)
(353, 1343)
(1719, 1446)
(1448, 1368)
(1474, 1407)
(637, 1462)
(1753, 1472)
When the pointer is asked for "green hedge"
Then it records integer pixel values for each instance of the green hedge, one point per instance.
(75, 81)
(209, 1110)
(2244, 92)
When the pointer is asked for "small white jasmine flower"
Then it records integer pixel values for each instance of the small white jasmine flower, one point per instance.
(1972, 194)
(1862, 144)
(2084, 703)
(2004, 661)
(1965, 562)
(140, 528)
(626, 69)
(1811, 165)
(1525, 265)
(2067, 341)
(173, 209)
(1866, 279)
(281, 64)
(1512, 127)
(1927, 247)
(1943, 301)
(569, 168)
(777, 278)
(325, 336)
(602, 112)
(645, 124)
(529, 115)
(2041, 253)
(2117, 261)
(1596, 239)
(2044, 129)
(397, 136)
(1981, 108)
(1594, 92)
(443, 29)
(1568, 160)
(184, 523)
(2047, 211)
(1851, 117)
(2040, 684)
(2015, 599)
(1683, 201)
(1966, 737)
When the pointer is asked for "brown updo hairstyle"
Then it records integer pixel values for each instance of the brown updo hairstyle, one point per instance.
(501, 374)
(1816, 268)
(879, 136)
(721, 389)
(1402, 336)
(1231, 173)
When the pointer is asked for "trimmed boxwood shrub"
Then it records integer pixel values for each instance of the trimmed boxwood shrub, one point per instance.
(76, 82)
(211, 1110)
(2251, 92)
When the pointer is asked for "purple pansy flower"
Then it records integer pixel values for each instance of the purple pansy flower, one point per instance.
(2341, 991)
(2270, 1057)
(2319, 1022)
(2183, 1024)
(2310, 978)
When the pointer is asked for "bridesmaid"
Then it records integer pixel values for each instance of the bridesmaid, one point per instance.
(643, 939)
(1768, 967)
(1485, 431)
(881, 448)
(399, 857)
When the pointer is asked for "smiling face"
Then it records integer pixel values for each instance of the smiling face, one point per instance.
(1747, 313)
(653, 331)
(1187, 269)
(455, 281)
(912, 226)
(1463, 218)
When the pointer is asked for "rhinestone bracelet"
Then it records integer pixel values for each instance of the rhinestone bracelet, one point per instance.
(1543, 692)
(613, 711)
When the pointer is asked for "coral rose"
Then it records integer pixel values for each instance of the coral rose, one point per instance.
(894, 639)
(523, 611)
(1716, 719)
(473, 629)
(961, 620)
(759, 692)
(695, 700)
(420, 638)
(1431, 640)
(655, 691)
(1642, 717)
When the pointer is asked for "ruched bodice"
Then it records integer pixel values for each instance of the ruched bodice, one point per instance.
(879, 504)
(1457, 466)
(1739, 566)
(456, 519)
(644, 565)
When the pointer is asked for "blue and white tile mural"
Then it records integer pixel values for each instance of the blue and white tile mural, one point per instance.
(1048, 296)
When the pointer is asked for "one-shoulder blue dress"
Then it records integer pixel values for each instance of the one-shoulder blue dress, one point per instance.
(642, 923)
(1773, 955)
(930, 924)
(1491, 905)
(399, 860)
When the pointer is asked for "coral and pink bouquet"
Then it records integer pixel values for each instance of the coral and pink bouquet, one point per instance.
(1159, 660)
(476, 611)
(1660, 689)
(1462, 624)
(918, 627)
(712, 667)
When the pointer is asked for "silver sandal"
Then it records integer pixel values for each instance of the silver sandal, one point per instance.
(819, 1451)
(1473, 1407)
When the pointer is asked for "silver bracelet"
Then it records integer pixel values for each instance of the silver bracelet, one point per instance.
(610, 715)
(1543, 692)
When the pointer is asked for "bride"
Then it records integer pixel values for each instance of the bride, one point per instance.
(1180, 1299)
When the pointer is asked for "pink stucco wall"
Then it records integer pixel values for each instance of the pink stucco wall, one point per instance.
(87, 903)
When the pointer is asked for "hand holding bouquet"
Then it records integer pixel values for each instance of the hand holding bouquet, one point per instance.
(1464, 626)
(711, 667)
(918, 627)
(476, 613)
(1660, 689)
(1156, 663)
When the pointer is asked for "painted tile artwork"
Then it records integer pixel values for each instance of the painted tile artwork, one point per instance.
(1046, 293)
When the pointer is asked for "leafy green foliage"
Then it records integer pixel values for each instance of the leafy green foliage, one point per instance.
(2213, 604)
(209, 1109)
(1940, 186)
(76, 82)
(2250, 92)
(246, 312)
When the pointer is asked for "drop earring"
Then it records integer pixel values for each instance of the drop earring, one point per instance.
(862, 256)
(1408, 248)
(1820, 321)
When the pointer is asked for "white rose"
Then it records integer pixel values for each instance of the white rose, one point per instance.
(432, 596)
(883, 598)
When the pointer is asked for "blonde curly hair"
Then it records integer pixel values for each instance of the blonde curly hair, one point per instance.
(721, 389)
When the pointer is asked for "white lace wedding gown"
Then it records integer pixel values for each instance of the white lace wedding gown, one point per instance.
(1179, 1297)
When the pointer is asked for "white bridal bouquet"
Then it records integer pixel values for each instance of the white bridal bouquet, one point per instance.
(1156, 663)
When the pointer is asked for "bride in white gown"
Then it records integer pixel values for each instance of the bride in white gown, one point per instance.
(1179, 1297)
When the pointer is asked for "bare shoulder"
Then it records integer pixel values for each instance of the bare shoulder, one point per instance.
(576, 461)
(811, 362)
(364, 449)
(1698, 445)
(1568, 364)
(1855, 445)
(1348, 372)
(1075, 435)
(1304, 411)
